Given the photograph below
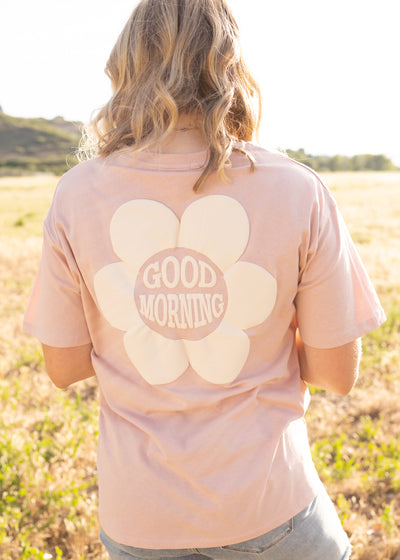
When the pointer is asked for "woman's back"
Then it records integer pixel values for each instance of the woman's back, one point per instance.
(189, 301)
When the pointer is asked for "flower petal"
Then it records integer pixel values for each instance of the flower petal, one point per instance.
(251, 294)
(219, 357)
(114, 286)
(216, 226)
(159, 360)
(141, 228)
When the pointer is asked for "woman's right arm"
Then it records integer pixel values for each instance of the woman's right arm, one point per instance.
(332, 369)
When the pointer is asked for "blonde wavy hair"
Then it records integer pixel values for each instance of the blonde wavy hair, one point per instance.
(178, 57)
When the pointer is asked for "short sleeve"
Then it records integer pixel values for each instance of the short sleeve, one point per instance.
(336, 301)
(55, 314)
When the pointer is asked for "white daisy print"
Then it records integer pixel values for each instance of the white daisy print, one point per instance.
(180, 292)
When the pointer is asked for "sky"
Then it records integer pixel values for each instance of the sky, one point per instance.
(328, 69)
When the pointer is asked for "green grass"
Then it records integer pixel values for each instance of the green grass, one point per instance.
(366, 454)
(47, 481)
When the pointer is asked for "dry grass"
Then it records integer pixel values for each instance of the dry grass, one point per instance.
(362, 472)
(47, 449)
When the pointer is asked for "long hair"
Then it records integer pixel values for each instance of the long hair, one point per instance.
(178, 57)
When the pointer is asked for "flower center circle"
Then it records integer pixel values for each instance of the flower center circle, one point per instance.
(181, 294)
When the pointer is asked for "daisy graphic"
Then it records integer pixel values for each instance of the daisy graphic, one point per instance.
(180, 292)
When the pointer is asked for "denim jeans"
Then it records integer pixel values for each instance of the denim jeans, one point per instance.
(313, 534)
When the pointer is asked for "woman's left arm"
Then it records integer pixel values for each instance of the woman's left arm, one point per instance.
(65, 366)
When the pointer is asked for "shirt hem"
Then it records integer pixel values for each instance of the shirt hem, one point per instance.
(357, 331)
(32, 330)
(210, 543)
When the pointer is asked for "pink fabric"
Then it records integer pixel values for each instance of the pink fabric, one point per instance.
(189, 301)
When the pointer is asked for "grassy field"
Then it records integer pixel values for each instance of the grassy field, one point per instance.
(48, 436)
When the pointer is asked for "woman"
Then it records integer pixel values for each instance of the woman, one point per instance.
(203, 280)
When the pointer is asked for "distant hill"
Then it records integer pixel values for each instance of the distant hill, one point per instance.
(37, 145)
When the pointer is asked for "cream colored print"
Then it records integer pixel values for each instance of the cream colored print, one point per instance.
(180, 293)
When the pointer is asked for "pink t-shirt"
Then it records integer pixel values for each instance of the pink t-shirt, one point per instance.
(189, 301)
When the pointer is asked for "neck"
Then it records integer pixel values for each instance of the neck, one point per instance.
(186, 137)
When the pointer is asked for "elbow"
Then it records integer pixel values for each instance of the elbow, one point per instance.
(345, 385)
(342, 391)
(337, 381)
(332, 369)
(349, 377)
(58, 379)
(61, 384)
(65, 366)
(62, 378)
